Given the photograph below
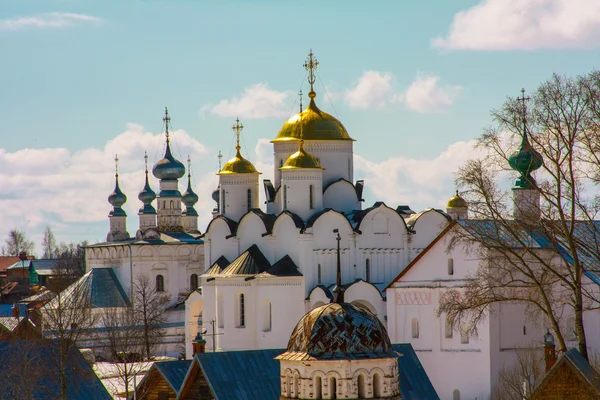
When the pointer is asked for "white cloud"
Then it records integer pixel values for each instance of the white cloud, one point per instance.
(257, 101)
(419, 183)
(424, 95)
(53, 20)
(68, 190)
(524, 25)
(373, 90)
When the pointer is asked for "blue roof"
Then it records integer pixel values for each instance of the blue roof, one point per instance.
(414, 382)
(174, 372)
(82, 382)
(6, 310)
(254, 374)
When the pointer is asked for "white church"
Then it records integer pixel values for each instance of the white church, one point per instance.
(256, 270)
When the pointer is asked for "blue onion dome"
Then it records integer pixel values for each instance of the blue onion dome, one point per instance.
(168, 168)
(216, 195)
(339, 331)
(147, 195)
(525, 160)
(189, 198)
(117, 198)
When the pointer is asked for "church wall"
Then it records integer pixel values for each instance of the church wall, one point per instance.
(217, 244)
(365, 294)
(234, 189)
(286, 236)
(193, 317)
(427, 228)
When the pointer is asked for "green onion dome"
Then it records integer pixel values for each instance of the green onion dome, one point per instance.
(525, 160)
(456, 202)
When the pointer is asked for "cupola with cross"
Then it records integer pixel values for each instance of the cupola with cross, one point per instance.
(324, 136)
(238, 182)
(168, 171)
(189, 199)
(525, 161)
(147, 213)
(117, 216)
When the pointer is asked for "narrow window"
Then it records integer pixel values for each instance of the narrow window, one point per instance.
(456, 394)
(318, 388)
(193, 282)
(450, 266)
(319, 276)
(285, 197)
(448, 328)
(220, 315)
(267, 316)
(287, 388)
(295, 386)
(464, 335)
(224, 203)
(349, 170)
(332, 388)
(367, 270)
(415, 328)
(310, 196)
(362, 393)
(376, 386)
(280, 163)
(242, 320)
(249, 199)
(171, 204)
(524, 330)
(160, 283)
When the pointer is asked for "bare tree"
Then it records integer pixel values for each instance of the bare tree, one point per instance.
(68, 318)
(16, 242)
(150, 305)
(70, 265)
(520, 380)
(123, 339)
(49, 244)
(539, 259)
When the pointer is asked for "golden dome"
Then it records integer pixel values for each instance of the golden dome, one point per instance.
(238, 165)
(312, 124)
(301, 159)
(456, 202)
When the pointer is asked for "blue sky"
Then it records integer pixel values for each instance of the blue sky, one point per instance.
(410, 80)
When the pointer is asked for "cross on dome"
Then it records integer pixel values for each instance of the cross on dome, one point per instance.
(116, 165)
(166, 120)
(237, 128)
(311, 65)
(523, 101)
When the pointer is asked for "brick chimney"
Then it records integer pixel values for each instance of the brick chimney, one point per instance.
(549, 350)
(15, 311)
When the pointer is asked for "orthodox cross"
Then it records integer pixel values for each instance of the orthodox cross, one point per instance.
(116, 165)
(311, 65)
(237, 128)
(300, 100)
(166, 120)
(523, 101)
(146, 161)
(189, 167)
(220, 157)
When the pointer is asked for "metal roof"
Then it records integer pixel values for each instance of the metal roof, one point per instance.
(9, 323)
(255, 374)
(6, 310)
(284, 267)
(218, 266)
(82, 382)
(174, 372)
(584, 368)
(250, 262)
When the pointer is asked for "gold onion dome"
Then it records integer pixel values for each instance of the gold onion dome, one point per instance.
(238, 165)
(456, 202)
(301, 159)
(313, 124)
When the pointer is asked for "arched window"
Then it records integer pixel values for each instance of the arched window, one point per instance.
(367, 270)
(362, 393)
(464, 334)
(285, 197)
(318, 388)
(267, 316)
(171, 204)
(319, 274)
(456, 394)
(311, 189)
(160, 283)
(223, 209)
(242, 312)
(415, 328)
(524, 330)
(296, 385)
(220, 315)
(249, 199)
(287, 385)
(448, 329)
(193, 282)
(332, 388)
(376, 385)
(450, 266)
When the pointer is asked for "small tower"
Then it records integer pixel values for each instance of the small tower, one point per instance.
(238, 183)
(189, 199)
(198, 344)
(457, 207)
(168, 171)
(117, 217)
(549, 350)
(147, 213)
(526, 160)
(302, 183)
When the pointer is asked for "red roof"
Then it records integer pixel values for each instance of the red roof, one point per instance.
(7, 261)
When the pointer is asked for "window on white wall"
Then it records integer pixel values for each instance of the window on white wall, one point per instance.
(241, 311)
(285, 197)
(448, 329)
(415, 328)
(450, 266)
(220, 316)
(311, 189)
(456, 394)
(267, 316)
(319, 274)
(464, 334)
(160, 283)
(367, 270)
(249, 200)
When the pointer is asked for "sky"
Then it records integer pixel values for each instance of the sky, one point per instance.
(413, 83)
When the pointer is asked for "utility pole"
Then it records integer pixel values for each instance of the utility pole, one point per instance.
(213, 334)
